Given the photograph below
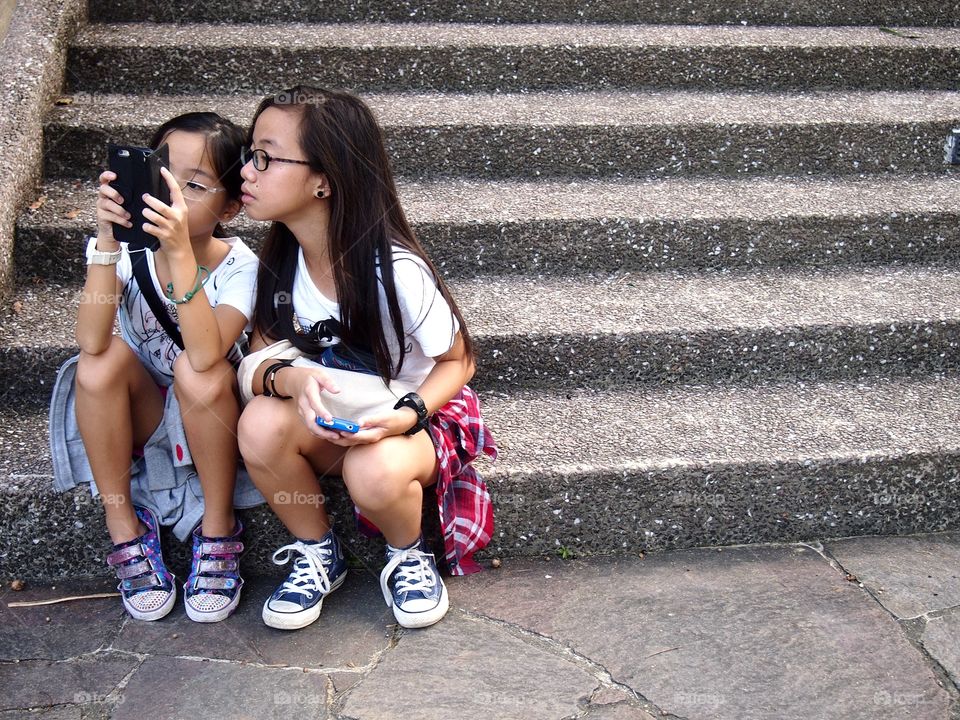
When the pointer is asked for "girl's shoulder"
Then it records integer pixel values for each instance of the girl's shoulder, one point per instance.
(240, 255)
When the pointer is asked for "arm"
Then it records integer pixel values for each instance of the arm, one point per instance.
(101, 291)
(207, 332)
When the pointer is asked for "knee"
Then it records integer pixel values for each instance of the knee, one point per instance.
(202, 389)
(374, 479)
(101, 371)
(264, 423)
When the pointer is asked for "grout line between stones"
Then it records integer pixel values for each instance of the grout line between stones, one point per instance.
(555, 647)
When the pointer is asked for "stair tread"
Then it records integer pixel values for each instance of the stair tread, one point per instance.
(543, 434)
(628, 303)
(68, 203)
(458, 35)
(547, 109)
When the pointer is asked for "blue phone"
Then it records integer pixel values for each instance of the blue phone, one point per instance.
(339, 424)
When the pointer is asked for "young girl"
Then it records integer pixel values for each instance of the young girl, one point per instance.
(121, 384)
(341, 263)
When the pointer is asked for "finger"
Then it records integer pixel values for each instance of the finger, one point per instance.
(159, 205)
(176, 195)
(324, 381)
(107, 176)
(108, 207)
(110, 193)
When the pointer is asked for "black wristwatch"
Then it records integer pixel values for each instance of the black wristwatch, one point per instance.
(414, 401)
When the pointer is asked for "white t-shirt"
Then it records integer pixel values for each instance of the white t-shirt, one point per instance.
(429, 326)
(232, 282)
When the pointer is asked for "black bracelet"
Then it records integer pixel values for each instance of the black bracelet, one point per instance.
(270, 378)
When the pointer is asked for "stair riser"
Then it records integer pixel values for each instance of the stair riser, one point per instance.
(603, 361)
(596, 151)
(251, 70)
(585, 512)
(764, 12)
(569, 247)
(749, 503)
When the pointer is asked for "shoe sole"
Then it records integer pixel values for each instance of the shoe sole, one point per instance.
(295, 621)
(157, 614)
(212, 616)
(425, 618)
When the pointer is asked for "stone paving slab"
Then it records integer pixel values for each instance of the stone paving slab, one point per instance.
(505, 677)
(355, 615)
(177, 688)
(910, 576)
(739, 633)
(43, 683)
(941, 638)
(57, 632)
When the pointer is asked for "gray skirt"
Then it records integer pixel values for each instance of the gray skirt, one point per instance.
(164, 479)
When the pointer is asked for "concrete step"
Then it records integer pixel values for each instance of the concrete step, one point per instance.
(765, 12)
(624, 471)
(559, 228)
(572, 134)
(629, 329)
(152, 57)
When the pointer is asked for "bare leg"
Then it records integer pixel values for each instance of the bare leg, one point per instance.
(118, 405)
(283, 460)
(386, 481)
(210, 411)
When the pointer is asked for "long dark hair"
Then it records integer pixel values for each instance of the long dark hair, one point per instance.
(340, 138)
(224, 141)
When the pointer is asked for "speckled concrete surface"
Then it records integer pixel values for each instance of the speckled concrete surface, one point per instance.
(625, 330)
(32, 56)
(620, 471)
(754, 12)
(472, 228)
(569, 134)
(217, 58)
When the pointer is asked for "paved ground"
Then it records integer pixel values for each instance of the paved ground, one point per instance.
(861, 628)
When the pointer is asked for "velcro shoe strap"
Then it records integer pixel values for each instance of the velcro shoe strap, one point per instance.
(220, 548)
(139, 568)
(214, 583)
(217, 565)
(147, 581)
(124, 554)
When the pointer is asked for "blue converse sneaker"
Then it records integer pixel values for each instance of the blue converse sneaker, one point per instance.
(212, 590)
(418, 596)
(146, 586)
(320, 569)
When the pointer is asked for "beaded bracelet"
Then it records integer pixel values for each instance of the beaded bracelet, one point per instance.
(198, 283)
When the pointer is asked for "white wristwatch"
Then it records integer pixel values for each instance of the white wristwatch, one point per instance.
(104, 258)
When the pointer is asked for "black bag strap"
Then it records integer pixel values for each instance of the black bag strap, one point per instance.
(141, 272)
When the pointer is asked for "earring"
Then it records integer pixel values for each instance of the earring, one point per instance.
(321, 194)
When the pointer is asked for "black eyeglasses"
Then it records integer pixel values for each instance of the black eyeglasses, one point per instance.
(261, 161)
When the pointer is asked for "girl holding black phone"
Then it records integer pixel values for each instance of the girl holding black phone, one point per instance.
(122, 384)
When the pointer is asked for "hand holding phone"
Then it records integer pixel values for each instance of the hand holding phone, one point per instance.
(138, 172)
(339, 424)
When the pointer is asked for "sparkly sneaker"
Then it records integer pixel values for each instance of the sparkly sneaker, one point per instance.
(320, 569)
(146, 586)
(418, 596)
(212, 590)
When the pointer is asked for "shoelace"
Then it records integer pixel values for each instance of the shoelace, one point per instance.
(308, 575)
(413, 577)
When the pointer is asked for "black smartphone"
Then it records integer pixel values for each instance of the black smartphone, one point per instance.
(138, 172)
